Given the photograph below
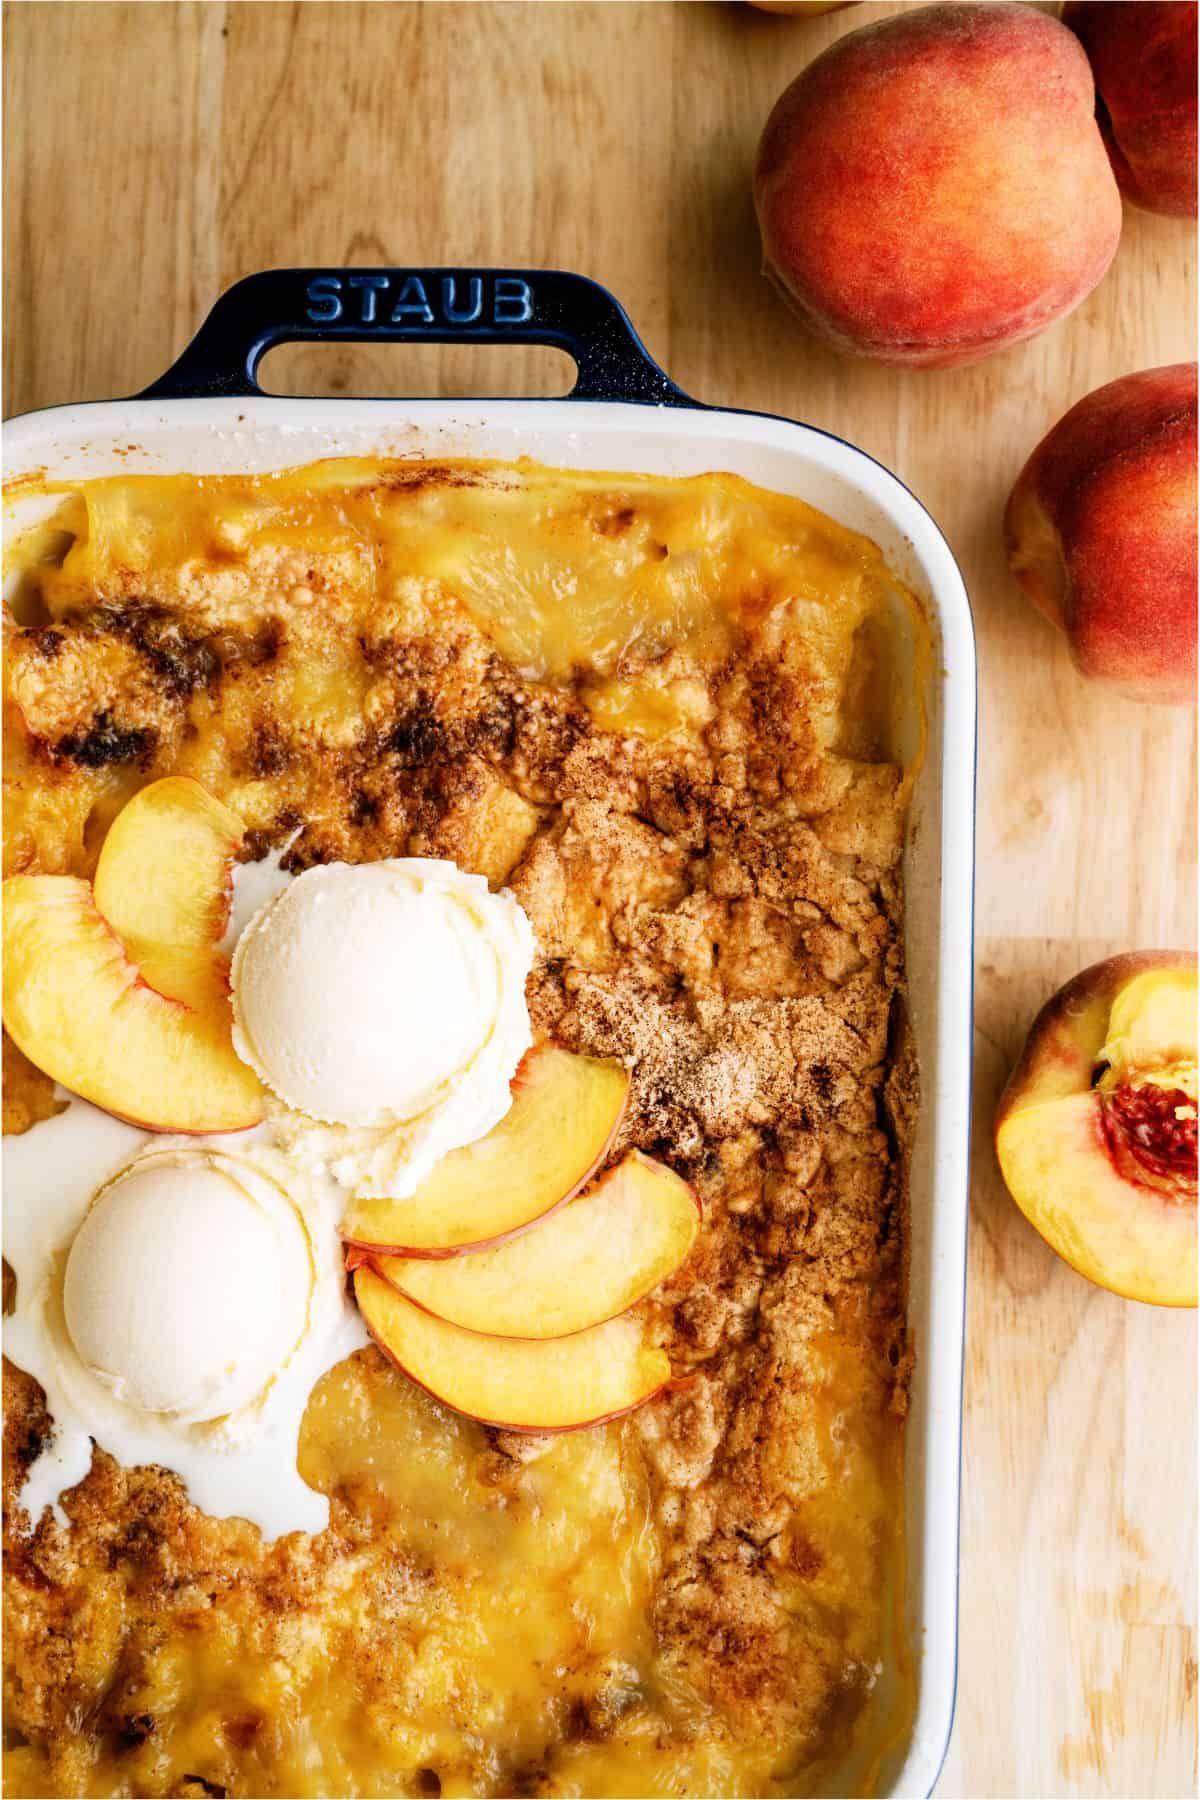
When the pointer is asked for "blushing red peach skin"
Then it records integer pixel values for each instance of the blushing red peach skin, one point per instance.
(801, 8)
(1143, 58)
(933, 187)
(1100, 531)
(1096, 1128)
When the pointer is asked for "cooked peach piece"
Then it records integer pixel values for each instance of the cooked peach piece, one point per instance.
(1096, 1132)
(934, 188)
(164, 881)
(552, 1384)
(80, 1010)
(586, 1263)
(1101, 533)
(564, 1115)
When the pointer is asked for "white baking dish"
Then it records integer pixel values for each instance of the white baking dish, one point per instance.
(207, 415)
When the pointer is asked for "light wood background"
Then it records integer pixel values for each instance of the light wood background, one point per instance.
(156, 152)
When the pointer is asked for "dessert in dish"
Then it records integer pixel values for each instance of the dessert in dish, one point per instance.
(497, 871)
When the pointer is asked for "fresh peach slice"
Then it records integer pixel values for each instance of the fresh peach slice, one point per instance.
(164, 881)
(588, 1262)
(80, 1010)
(1096, 1133)
(564, 1115)
(551, 1384)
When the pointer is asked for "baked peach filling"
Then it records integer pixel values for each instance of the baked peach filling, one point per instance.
(569, 576)
(616, 1501)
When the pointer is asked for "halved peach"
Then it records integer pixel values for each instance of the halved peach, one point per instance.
(588, 1262)
(81, 1011)
(551, 1384)
(1096, 1132)
(164, 881)
(564, 1115)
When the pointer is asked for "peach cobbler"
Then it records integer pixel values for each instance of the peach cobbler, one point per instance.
(457, 1106)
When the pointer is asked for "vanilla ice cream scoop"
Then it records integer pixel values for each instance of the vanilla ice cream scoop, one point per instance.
(177, 1301)
(384, 1005)
(187, 1286)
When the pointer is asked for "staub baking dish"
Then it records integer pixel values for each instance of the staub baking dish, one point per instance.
(208, 415)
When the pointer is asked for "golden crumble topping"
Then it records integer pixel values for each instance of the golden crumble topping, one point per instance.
(658, 712)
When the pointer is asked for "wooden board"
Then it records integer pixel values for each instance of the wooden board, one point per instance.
(156, 152)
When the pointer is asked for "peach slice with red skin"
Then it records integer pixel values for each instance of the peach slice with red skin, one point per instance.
(81, 1011)
(547, 1384)
(1096, 1131)
(587, 1262)
(164, 882)
(565, 1112)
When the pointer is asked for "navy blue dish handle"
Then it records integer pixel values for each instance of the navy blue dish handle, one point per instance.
(413, 306)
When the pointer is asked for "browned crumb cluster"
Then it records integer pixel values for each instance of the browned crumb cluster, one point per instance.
(718, 909)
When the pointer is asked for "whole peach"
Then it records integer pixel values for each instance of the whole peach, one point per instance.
(800, 6)
(1144, 60)
(1101, 532)
(934, 188)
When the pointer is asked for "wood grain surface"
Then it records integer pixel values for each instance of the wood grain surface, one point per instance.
(156, 152)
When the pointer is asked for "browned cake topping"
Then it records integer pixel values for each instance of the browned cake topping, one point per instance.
(700, 1597)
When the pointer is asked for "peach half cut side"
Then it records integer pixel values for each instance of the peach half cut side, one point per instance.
(549, 1384)
(588, 1262)
(565, 1112)
(82, 1012)
(164, 882)
(1096, 1132)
